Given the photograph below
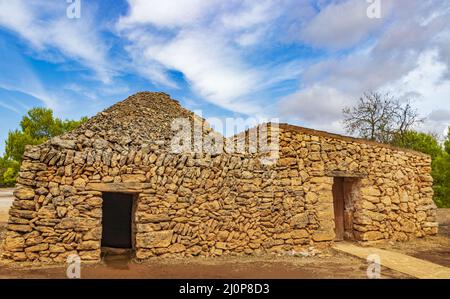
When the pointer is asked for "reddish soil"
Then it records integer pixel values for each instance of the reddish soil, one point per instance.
(335, 266)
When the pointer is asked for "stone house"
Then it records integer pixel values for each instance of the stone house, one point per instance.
(114, 183)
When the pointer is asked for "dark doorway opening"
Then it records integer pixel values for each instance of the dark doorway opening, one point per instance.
(117, 220)
(345, 193)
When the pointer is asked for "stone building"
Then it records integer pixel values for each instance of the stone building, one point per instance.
(113, 182)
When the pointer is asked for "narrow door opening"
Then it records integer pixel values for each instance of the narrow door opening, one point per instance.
(117, 220)
(345, 191)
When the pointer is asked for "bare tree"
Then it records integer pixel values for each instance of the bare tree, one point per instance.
(406, 117)
(371, 118)
(379, 117)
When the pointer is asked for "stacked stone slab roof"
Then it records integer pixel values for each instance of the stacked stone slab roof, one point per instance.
(143, 118)
(146, 118)
(293, 128)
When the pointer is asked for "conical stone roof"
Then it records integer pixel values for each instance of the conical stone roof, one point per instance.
(143, 118)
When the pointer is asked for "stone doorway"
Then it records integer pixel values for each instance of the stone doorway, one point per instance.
(345, 193)
(117, 222)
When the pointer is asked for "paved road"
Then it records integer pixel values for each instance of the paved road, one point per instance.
(6, 192)
(6, 198)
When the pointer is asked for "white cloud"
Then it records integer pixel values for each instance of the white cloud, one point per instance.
(438, 121)
(19, 76)
(17, 16)
(406, 54)
(213, 69)
(169, 13)
(316, 106)
(248, 39)
(250, 14)
(46, 27)
(224, 50)
(342, 25)
(208, 47)
(440, 115)
(423, 79)
(431, 94)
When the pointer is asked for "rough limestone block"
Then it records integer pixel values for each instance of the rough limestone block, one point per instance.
(154, 239)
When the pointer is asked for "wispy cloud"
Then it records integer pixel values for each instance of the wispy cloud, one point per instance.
(45, 26)
(20, 76)
(10, 107)
(168, 14)
(405, 52)
(299, 60)
(208, 42)
(342, 24)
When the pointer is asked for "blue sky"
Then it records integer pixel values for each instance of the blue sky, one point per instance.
(300, 61)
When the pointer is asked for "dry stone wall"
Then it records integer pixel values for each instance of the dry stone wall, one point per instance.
(203, 205)
(392, 191)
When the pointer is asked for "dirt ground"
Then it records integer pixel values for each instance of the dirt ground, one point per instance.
(327, 264)
(336, 265)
